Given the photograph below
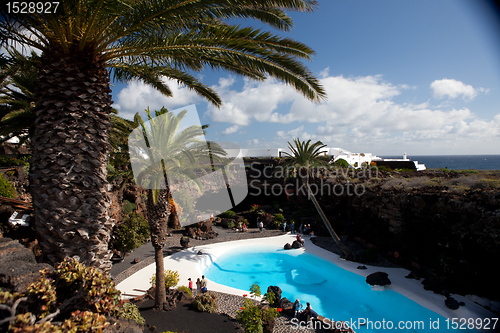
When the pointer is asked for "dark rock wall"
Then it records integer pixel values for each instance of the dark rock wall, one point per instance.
(455, 236)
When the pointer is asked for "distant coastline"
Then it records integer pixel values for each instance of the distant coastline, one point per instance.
(456, 162)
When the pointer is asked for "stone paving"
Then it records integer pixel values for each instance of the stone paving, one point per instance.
(229, 304)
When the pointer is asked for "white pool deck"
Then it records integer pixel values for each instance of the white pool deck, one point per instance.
(191, 265)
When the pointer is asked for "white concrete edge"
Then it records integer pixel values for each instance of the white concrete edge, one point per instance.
(191, 265)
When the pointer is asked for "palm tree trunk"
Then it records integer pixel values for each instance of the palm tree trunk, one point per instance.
(161, 292)
(348, 254)
(158, 225)
(70, 152)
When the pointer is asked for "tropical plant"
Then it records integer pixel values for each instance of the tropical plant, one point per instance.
(70, 298)
(171, 279)
(6, 188)
(169, 152)
(128, 207)
(18, 76)
(145, 40)
(228, 214)
(341, 163)
(131, 233)
(255, 290)
(130, 311)
(206, 302)
(252, 316)
(186, 289)
(303, 158)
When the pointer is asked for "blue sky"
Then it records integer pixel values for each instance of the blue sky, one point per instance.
(420, 77)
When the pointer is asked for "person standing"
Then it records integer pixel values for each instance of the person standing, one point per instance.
(284, 226)
(203, 284)
(190, 285)
(261, 226)
(198, 286)
(292, 227)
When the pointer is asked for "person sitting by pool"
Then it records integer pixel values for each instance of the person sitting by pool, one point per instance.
(296, 308)
(244, 228)
(300, 240)
(309, 313)
(312, 235)
(307, 229)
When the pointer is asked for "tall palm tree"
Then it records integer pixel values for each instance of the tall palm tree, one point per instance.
(136, 39)
(166, 150)
(304, 157)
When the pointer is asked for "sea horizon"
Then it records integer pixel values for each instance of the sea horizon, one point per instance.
(455, 162)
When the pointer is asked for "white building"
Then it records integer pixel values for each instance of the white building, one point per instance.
(355, 160)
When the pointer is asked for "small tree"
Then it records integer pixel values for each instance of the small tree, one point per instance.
(252, 316)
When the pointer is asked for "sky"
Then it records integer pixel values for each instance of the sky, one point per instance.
(421, 77)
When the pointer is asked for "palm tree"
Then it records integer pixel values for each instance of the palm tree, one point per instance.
(18, 76)
(136, 39)
(166, 150)
(306, 156)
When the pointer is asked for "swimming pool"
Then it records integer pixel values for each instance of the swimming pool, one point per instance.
(333, 292)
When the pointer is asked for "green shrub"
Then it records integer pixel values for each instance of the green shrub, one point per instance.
(132, 233)
(228, 214)
(279, 217)
(404, 170)
(384, 168)
(128, 207)
(432, 182)
(278, 220)
(79, 297)
(186, 289)
(206, 302)
(255, 290)
(251, 316)
(269, 297)
(171, 279)
(6, 161)
(6, 188)
(488, 183)
(458, 189)
(254, 208)
(341, 163)
(131, 312)
(230, 224)
(468, 171)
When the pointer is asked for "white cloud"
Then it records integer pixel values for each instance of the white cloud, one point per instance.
(451, 89)
(231, 129)
(360, 113)
(292, 134)
(137, 96)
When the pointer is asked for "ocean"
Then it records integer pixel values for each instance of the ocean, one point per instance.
(456, 162)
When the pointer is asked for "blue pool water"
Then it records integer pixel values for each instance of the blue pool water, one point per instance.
(333, 292)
